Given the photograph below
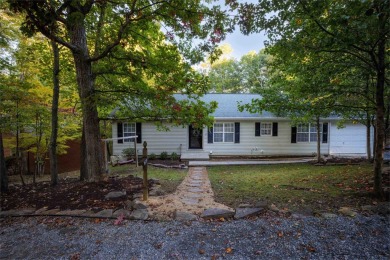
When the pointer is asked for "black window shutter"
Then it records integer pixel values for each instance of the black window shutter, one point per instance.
(236, 132)
(120, 132)
(293, 134)
(210, 135)
(274, 129)
(257, 129)
(325, 133)
(138, 132)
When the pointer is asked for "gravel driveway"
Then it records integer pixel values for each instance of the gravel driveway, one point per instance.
(361, 237)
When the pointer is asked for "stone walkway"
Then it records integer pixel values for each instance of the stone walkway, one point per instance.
(190, 200)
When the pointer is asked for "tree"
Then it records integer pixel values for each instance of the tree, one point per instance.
(229, 75)
(54, 115)
(121, 24)
(358, 29)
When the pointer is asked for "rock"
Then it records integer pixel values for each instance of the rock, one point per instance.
(155, 181)
(185, 216)
(89, 214)
(245, 205)
(247, 212)
(77, 212)
(123, 212)
(261, 204)
(129, 204)
(135, 204)
(328, 215)
(347, 212)
(274, 208)
(139, 214)
(39, 211)
(115, 194)
(139, 205)
(214, 213)
(50, 212)
(304, 212)
(156, 191)
(106, 213)
(368, 208)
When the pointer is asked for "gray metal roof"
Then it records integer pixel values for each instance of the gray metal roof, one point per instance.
(228, 105)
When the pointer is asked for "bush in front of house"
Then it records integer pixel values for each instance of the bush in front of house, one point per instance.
(129, 153)
(174, 156)
(152, 156)
(164, 155)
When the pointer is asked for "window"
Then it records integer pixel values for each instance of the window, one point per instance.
(266, 129)
(223, 132)
(129, 129)
(307, 133)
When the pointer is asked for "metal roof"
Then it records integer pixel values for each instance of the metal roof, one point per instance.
(228, 105)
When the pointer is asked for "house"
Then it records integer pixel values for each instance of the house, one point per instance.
(236, 133)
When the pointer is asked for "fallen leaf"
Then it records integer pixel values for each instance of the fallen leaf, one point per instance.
(158, 245)
(201, 251)
(119, 219)
(229, 250)
(214, 257)
(280, 233)
(75, 256)
(310, 248)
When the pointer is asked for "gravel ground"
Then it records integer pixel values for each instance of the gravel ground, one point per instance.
(362, 237)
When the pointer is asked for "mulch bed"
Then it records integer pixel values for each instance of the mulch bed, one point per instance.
(72, 194)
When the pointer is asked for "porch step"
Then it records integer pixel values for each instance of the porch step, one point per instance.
(195, 157)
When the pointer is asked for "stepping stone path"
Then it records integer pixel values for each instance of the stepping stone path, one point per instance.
(193, 199)
(190, 200)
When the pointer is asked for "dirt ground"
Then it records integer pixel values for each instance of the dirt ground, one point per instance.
(71, 193)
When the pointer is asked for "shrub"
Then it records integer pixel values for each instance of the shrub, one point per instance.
(164, 156)
(152, 156)
(174, 156)
(128, 152)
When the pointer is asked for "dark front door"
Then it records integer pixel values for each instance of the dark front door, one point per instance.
(195, 138)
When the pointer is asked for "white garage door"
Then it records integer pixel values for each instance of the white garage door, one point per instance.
(350, 140)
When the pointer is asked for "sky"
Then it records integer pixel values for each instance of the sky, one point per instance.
(242, 44)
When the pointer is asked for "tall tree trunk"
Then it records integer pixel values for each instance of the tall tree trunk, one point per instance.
(19, 167)
(54, 115)
(83, 163)
(94, 167)
(368, 137)
(318, 139)
(380, 108)
(3, 169)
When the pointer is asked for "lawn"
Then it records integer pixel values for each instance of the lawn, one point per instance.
(293, 186)
(169, 178)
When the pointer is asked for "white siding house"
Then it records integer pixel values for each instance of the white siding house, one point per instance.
(237, 133)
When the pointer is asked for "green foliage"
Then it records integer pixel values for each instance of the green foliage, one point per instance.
(246, 75)
(163, 155)
(129, 152)
(174, 156)
(152, 156)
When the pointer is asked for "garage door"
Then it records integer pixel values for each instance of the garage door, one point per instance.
(350, 140)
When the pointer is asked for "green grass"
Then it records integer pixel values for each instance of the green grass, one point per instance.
(295, 186)
(169, 178)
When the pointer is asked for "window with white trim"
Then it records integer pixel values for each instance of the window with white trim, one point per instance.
(223, 132)
(266, 128)
(129, 129)
(307, 133)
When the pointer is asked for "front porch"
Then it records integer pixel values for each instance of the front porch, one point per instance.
(199, 156)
